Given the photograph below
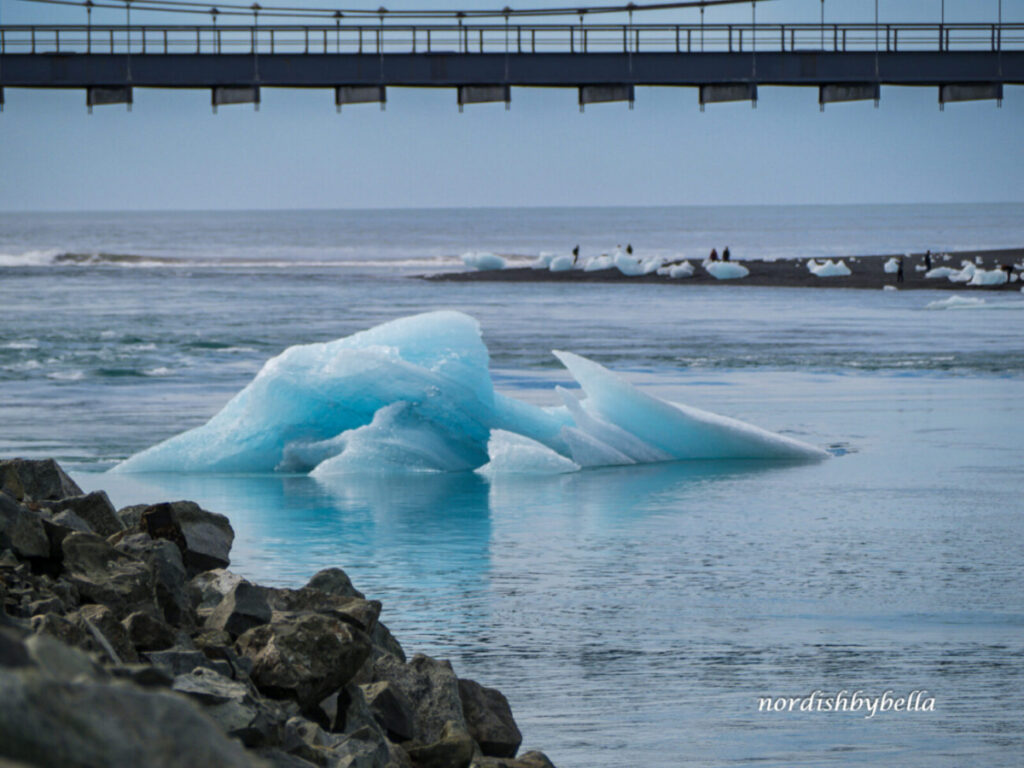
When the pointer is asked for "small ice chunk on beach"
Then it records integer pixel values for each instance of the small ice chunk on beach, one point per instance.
(627, 265)
(892, 266)
(938, 272)
(543, 261)
(681, 271)
(964, 275)
(483, 261)
(652, 264)
(989, 277)
(832, 269)
(598, 263)
(726, 270)
(562, 263)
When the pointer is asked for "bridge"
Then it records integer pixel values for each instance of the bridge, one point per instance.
(483, 62)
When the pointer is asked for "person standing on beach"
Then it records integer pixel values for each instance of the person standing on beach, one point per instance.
(714, 254)
(928, 259)
(725, 254)
(629, 248)
(576, 253)
(899, 270)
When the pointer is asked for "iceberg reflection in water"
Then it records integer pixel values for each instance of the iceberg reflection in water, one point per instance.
(416, 394)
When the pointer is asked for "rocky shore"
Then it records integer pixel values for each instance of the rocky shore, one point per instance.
(125, 641)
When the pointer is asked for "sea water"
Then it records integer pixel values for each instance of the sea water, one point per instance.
(632, 615)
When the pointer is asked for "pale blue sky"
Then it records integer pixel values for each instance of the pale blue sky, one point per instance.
(171, 152)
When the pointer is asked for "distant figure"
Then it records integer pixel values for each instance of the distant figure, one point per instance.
(575, 253)
(928, 260)
(899, 270)
(725, 254)
(629, 248)
(714, 254)
(1008, 269)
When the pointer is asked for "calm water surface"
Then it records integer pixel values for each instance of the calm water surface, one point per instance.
(633, 616)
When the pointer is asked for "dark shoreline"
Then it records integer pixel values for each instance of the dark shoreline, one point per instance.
(782, 273)
(124, 640)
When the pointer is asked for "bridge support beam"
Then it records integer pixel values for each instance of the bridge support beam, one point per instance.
(972, 92)
(827, 94)
(235, 94)
(710, 94)
(99, 95)
(601, 94)
(360, 94)
(482, 94)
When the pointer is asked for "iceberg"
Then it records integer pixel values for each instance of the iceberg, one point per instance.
(937, 272)
(483, 261)
(726, 270)
(416, 395)
(892, 266)
(543, 260)
(956, 302)
(627, 265)
(964, 275)
(679, 271)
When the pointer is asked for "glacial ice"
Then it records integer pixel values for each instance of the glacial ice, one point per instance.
(938, 272)
(543, 260)
(964, 275)
(483, 261)
(627, 265)
(726, 270)
(892, 266)
(680, 271)
(415, 394)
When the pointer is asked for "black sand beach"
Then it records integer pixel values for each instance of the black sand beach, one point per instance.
(867, 272)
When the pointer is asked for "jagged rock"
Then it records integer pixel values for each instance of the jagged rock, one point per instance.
(364, 748)
(52, 604)
(61, 661)
(279, 759)
(208, 588)
(204, 538)
(525, 760)
(148, 633)
(130, 516)
(432, 689)
(232, 705)
(489, 719)
(22, 530)
(102, 574)
(108, 634)
(353, 610)
(71, 521)
(385, 642)
(169, 576)
(390, 709)
(180, 661)
(55, 724)
(304, 657)
(453, 749)
(93, 508)
(334, 581)
(36, 480)
(243, 608)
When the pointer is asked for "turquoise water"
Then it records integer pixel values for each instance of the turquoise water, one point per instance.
(633, 616)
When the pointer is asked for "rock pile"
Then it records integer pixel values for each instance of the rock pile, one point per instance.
(125, 641)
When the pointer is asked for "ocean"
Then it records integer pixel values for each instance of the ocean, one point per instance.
(632, 615)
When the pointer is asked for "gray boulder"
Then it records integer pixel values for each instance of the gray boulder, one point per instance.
(243, 608)
(233, 707)
(334, 581)
(489, 718)
(102, 574)
(60, 661)
(56, 724)
(204, 538)
(304, 657)
(175, 662)
(361, 613)
(36, 480)
(432, 689)
(453, 749)
(107, 634)
(147, 633)
(391, 710)
(208, 588)
(22, 530)
(94, 509)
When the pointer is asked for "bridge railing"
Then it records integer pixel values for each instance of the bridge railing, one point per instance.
(501, 39)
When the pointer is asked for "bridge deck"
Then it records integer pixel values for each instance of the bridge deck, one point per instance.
(71, 56)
